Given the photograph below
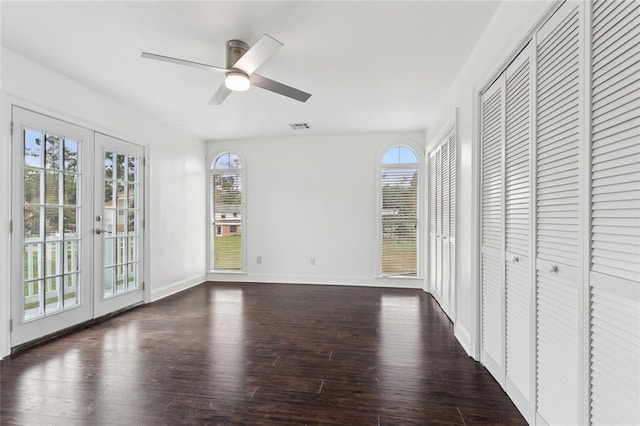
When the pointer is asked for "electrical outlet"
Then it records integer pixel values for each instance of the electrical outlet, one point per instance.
(259, 260)
(312, 261)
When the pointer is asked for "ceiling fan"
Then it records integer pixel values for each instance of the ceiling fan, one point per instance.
(242, 61)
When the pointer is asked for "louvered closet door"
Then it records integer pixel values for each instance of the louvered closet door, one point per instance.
(432, 222)
(444, 294)
(558, 240)
(492, 217)
(452, 223)
(438, 287)
(518, 282)
(615, 211)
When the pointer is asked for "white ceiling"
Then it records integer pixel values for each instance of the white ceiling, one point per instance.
(370, 66)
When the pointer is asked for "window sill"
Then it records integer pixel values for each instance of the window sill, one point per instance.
(228, 272)
(398, 277)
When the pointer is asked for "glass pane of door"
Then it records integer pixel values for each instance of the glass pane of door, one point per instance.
(50, 279)
(121, 226)
(51, 231)
(118, 243)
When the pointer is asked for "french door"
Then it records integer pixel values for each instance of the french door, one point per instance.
(76, 235)
(117, 224)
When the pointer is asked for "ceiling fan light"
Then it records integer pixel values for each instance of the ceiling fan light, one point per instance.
(237, 81)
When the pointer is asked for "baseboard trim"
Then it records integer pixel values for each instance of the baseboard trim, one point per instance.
(168, 290)
(76, 327)
(413, 283)
(464, 337)
(522, 403)
(496, 370)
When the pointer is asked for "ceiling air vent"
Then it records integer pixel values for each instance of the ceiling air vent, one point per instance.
(300, 126)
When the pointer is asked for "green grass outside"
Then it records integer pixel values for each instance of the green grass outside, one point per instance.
(35, 272)
(399, 257)
(120, 281)
(50, 300)
(67, 295)
(35, 266)
(227, 253)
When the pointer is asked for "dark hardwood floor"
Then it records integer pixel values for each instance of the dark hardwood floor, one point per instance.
(259, 354)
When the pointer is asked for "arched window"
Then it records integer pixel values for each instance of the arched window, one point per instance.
(399, 212)
(226, 213)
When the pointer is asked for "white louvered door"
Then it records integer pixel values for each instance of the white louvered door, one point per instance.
(444, 290)
(438, 286)
(569, 219)
(558, 215)
(451, 296)
(615, 213)
(518, 282)
(433, 266)
(492, 229)
(442, 161)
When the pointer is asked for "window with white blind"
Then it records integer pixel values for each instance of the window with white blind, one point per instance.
(226, 212)
(399, 212)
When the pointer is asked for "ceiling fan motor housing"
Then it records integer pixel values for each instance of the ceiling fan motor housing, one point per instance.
(235, 50)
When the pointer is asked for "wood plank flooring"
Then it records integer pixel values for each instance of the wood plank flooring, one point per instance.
(244, 354)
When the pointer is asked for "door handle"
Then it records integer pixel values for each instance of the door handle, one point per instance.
(102, 231)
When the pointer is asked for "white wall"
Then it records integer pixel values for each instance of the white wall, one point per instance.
(314, 197)
(176, 176)
(4, 221)
(5, 214)
(510, 24)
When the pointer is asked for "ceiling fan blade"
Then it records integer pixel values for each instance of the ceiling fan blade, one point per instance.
(281, 89)
(181, 62)
(258, 54)
(220, 95)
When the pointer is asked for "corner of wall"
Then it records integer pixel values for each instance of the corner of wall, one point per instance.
(5, 236)
(464, 338)
(4, 220)
(177, 287)
(506, 31)
(34, 86)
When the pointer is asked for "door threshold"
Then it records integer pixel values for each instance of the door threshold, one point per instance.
(77, 327)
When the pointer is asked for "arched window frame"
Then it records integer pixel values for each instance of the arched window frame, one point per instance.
(400, 165)
(213, 220)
